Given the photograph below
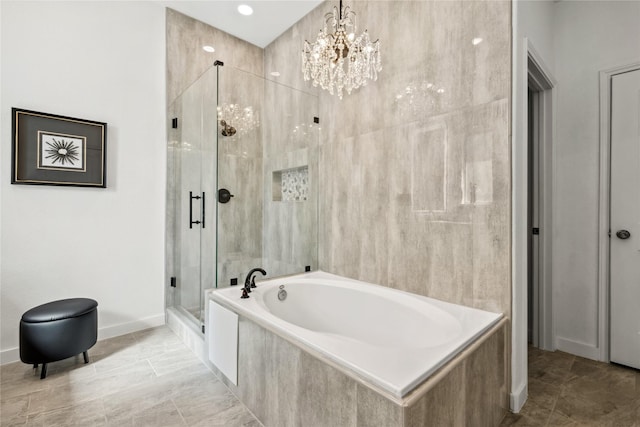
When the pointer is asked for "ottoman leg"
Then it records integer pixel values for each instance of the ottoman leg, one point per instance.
(43, 373)
(86, 356)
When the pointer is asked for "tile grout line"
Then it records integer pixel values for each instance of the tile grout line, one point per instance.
(104, 411)
(152, 368)
(553, 409)
(555, 402)
(179, 412)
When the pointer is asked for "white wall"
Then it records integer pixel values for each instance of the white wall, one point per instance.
(576, 40)
(536, 23)
(590, 36)
(102, 61)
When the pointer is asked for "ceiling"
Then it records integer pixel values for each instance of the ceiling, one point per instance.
(270, 17)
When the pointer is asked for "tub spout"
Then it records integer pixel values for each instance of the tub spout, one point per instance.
(249, 282)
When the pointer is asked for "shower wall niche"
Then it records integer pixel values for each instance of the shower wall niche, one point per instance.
(291, 185)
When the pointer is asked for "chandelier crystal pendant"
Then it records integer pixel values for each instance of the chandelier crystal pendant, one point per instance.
(340, 59)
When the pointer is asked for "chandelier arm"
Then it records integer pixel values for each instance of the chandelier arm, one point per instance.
(330, 20)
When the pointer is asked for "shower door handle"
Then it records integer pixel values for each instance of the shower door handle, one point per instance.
(191, 221)
(203, 204)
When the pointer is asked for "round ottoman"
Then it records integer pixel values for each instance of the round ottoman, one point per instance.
(58, 330)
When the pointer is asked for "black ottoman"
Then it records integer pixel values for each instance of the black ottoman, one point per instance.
(58, 330)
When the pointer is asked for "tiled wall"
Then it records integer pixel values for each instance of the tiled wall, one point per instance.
(187, 61)
(416, 195)
(283, 385)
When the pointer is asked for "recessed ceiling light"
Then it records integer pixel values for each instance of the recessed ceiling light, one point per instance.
(208, 48)
(275, 74)
(476, 41)
(245, 9)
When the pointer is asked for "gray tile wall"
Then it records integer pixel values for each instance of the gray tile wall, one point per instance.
(415, 183)
(186, 61)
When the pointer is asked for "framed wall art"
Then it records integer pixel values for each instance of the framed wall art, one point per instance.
(56, 150)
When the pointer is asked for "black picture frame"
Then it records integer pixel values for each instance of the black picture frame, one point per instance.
(49, 149)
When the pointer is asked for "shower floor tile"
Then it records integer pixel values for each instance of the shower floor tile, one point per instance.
(147, 378)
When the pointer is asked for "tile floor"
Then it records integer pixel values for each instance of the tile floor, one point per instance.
(147, 378)
(567, 390)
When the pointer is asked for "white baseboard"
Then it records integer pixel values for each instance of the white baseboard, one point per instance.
(587, 351)
(518, 398)
(9, 356)
(13, 354)
(127, 328)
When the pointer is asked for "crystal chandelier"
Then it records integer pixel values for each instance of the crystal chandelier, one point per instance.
(339, 59)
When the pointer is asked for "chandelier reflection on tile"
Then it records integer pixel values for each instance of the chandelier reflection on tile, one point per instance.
(233, 118)
(339, 59)
(419, 98)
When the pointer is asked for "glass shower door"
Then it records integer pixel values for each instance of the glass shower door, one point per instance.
(192, 165)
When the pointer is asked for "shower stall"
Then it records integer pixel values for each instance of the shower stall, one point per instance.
(242, 185)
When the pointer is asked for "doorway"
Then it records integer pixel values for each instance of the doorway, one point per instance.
(539, 166)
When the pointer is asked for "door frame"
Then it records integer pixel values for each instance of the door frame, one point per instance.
(604, 207)
(523, 50)
(540, 79)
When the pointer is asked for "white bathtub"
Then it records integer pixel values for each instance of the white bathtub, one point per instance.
(386, 337)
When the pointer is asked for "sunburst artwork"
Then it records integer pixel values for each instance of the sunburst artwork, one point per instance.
(49, 149)
(59, 151)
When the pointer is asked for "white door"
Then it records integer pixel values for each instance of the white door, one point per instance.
(625, 219)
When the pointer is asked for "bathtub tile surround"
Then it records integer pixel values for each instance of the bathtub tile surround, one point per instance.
(449, 238)
(326, 395)
(373, 409)
(291, 375)
(477, 384)
(286, 386)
